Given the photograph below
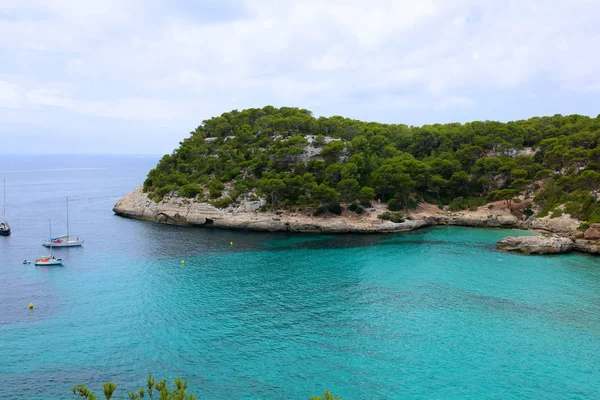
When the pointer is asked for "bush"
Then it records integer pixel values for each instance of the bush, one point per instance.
(234, 194)
(153, 389)
(335, 208)
(222, 203)
(356, 208)
(583, 226)
(319, 140)
(393, 217)
(215, 189)
(594, 218)
(190, 190)
(394, 205)
(454, 207)
(263, 208)
(470, 203)
(320, 211)
(543, 212)
(458, 204)
(385, 216)
(326, 396)
(491, 206)
(556, 213)
(160, 193)
(528, 211)
(475, 202)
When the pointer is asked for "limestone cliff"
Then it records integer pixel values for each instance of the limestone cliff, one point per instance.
(181, 211)
(246, 216)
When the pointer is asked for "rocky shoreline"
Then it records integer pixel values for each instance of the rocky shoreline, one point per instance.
(246, 216)
(547, 244)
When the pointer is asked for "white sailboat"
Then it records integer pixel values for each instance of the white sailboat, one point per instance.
(49, 260)
(4, 227)
(64, 240)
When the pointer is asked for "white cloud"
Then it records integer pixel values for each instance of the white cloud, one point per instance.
(127, 108)
(158, 61)
(50, 97)
(11, 95)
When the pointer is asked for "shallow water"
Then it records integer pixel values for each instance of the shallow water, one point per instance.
(435, 313)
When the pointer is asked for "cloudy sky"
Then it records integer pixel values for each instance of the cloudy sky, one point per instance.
(135, 76)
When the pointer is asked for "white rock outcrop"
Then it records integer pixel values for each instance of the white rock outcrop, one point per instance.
(175, 210)
(563, 224)
(542, 244)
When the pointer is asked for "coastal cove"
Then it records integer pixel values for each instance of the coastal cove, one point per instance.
(436, 312)
(336, 174)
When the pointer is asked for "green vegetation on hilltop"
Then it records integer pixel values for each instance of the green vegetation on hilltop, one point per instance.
(294, 160)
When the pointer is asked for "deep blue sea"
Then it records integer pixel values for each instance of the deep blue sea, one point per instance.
(432, 314)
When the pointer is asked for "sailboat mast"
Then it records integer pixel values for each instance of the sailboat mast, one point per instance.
(4, 201)
(67, 218)
(50, 227)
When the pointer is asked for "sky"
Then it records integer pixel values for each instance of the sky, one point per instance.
(136, 76)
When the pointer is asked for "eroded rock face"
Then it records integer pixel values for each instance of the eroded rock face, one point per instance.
(182, 211)
(541, 244)
(592, 233)
(563, 224)
(495, 221)
(585, 246)
(172, 210)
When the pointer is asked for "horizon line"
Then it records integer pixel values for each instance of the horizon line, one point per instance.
(81, 154)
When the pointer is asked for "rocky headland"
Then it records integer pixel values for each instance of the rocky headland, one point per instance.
(560, 234)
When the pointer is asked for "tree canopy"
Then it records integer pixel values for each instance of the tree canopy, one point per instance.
(292, 159)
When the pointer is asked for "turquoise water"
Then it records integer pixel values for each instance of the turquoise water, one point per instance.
(432, 314)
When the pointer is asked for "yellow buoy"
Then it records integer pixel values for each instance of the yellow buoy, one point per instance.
(231, 243)
(30, 306)
(182, 262)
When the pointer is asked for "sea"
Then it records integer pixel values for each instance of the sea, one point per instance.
(436, 313)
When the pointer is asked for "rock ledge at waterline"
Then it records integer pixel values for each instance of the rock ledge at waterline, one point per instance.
(547, 244)
(182, 211)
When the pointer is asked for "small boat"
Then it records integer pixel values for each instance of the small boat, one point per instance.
(64, 240)
(49, 260)
(4, 227)
(26, 262)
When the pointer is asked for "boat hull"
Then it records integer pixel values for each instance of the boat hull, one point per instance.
(4, 232)
(63, 244)
(57, 261)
